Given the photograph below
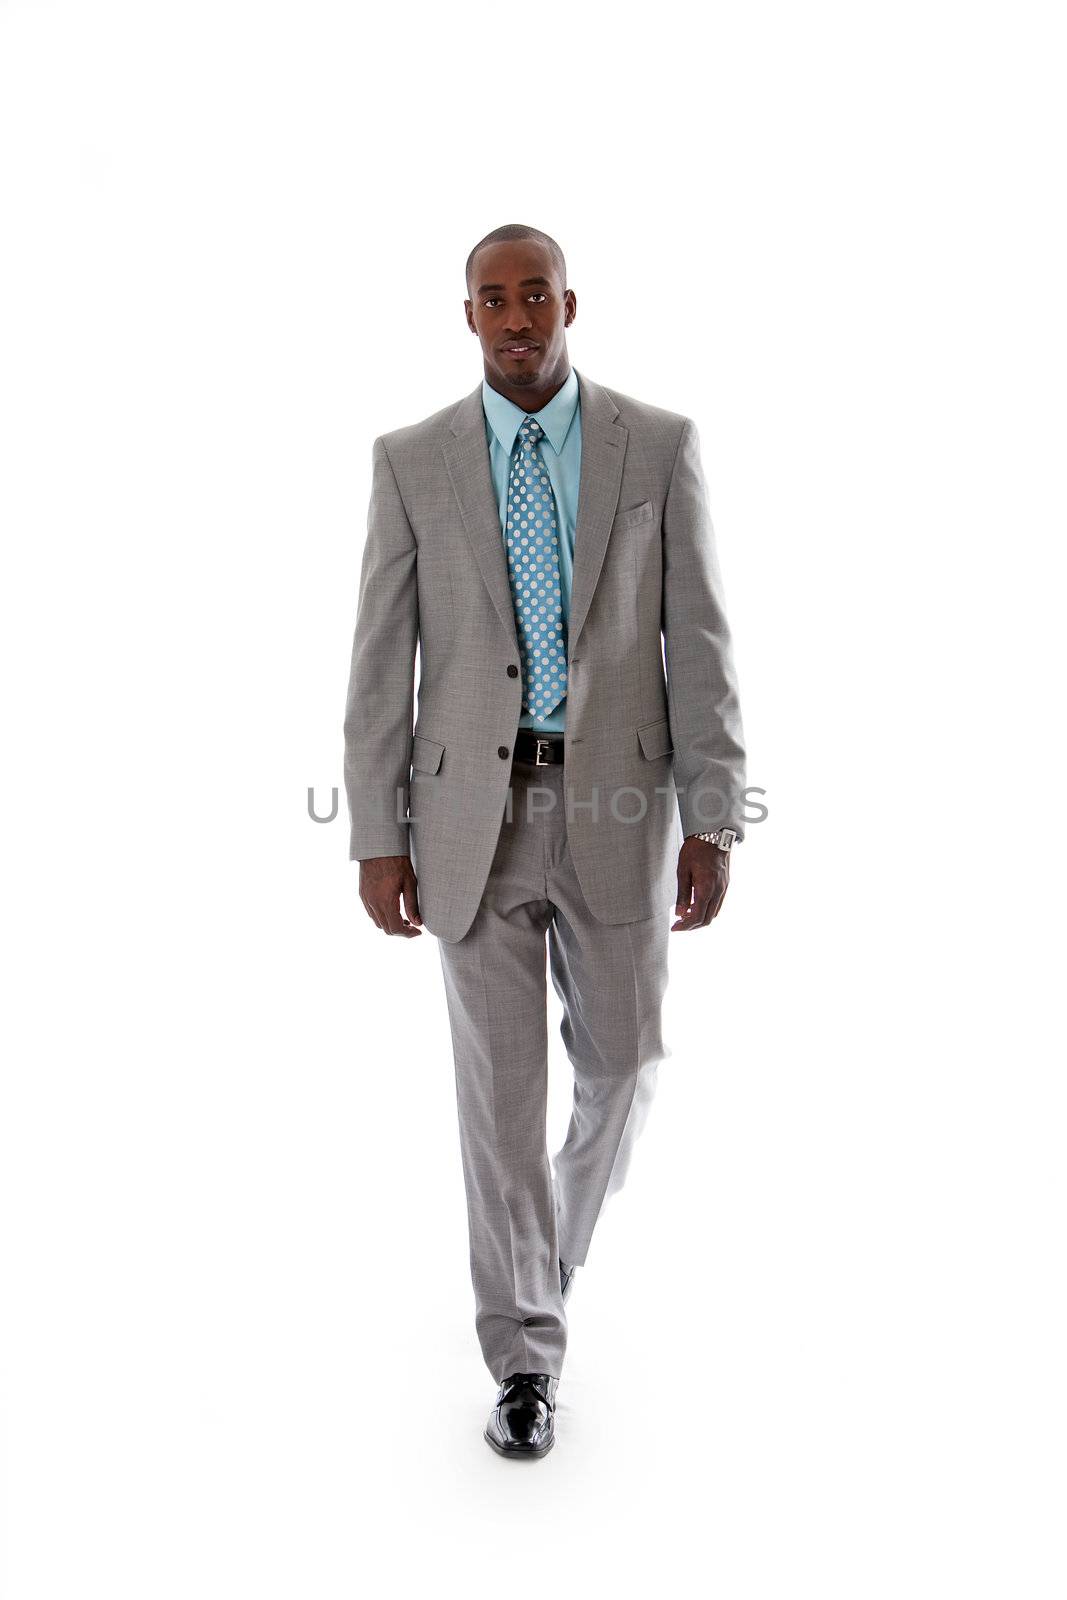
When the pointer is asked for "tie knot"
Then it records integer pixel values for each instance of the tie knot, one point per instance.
(533, 429)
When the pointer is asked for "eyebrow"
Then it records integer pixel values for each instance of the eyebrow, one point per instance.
(524, 283)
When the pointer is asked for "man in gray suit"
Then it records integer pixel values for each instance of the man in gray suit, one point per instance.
(576, 763)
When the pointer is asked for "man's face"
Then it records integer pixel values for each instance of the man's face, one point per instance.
(518, 300)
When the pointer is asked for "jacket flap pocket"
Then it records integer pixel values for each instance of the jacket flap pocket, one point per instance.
(634, 514)
(655, 738)
(426, 753)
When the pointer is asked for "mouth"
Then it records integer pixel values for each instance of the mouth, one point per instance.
(520, 349)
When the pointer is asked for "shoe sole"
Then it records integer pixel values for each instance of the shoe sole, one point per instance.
(519, 1455)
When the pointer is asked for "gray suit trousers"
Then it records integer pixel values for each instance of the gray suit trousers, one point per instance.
(523, 1216)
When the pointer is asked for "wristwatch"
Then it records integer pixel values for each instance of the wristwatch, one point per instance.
(725, 838)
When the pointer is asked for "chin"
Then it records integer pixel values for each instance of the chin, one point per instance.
(523, 376)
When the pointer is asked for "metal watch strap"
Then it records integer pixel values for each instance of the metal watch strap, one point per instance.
(724, 838)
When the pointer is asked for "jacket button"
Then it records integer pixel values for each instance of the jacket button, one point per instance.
(513, 670)
(503, 752)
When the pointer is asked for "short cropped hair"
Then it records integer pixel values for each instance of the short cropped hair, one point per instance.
(517, 230)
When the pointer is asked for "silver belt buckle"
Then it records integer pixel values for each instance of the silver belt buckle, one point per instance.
(542, 744)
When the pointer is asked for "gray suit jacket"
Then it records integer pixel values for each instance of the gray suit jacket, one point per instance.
(654, 744)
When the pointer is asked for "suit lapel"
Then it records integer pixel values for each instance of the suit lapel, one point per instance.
(467, 459)
(600, 480)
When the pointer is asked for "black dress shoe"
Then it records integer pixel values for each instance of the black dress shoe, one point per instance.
(521, 1422)
(566, 1278)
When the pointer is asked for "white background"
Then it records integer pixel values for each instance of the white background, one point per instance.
(818, 1345)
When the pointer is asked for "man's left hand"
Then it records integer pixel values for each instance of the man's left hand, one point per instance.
(703, 877)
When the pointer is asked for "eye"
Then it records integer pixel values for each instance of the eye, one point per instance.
(537, 294)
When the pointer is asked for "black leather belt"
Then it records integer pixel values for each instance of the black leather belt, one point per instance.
(539, 749)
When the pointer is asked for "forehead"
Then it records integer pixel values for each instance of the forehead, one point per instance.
(508, 260)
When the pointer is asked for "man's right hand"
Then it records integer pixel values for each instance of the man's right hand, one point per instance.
(383, 882)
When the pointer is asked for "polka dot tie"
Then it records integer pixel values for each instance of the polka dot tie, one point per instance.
(533, 566)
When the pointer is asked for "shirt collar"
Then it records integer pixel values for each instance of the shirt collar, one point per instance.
(555, 417)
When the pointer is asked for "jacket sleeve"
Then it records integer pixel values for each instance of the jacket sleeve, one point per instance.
(702, 694)
(381, 686)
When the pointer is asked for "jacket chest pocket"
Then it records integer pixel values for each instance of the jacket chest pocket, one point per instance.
(634, 516)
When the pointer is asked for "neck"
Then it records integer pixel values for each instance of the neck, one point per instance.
(527, 396)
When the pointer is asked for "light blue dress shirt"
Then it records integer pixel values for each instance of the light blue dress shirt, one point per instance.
(561, 449)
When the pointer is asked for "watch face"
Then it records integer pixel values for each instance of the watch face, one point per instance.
(726, 838)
